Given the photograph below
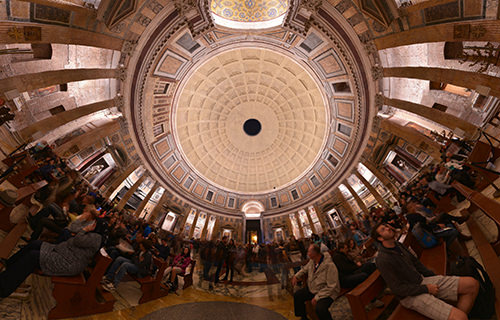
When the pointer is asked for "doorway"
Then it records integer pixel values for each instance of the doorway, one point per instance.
(253, 233)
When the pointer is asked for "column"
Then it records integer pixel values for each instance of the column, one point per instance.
(24, 32)
(182, 224)
(33, 81)
(460, 78)
(370, 188)
(483, 30)
(144, 202)
(289, 227)
(347, 205)
(205, 227)
(443, 118)
(158, 207)
(124, 175)
(62, 118)
(413, 137)
(89, 138)
(313, 228)
(321, 217)
(357, 198)
(130, 192)
(216, 228)
(195, 220)
(299, 223)
(383, 178)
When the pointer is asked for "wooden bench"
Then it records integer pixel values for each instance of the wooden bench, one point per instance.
(77, 296)
(15, 231)
(23, 196)
(188, 276)
(152, 287)
(480, 154)
(364, 293)
(443, 204)
(488, 252)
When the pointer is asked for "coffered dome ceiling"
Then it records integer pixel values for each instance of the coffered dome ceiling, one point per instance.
(243, 84)
(234, 116)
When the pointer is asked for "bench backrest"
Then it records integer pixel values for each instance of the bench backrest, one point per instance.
(364, 293)
(161, 265)
(489, 206)
(101, 265)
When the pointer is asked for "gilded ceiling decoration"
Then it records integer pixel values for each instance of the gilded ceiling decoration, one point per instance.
(249, 10)
(250, 84)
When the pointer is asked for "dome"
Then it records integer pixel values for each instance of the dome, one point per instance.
(234, 89)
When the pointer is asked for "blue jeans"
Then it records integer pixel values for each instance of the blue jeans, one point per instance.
(120, 267)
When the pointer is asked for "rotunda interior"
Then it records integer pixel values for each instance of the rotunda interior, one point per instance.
(254, 159)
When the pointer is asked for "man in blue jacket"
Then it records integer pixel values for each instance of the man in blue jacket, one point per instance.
(417, 287)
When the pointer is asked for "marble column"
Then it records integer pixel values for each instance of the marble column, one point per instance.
(205, 228)
(130, 192)
(182, 224)
(443, 118)
(370, 188)
(14, 32)
(383, 178)
(460, 78)
(144, 202)
(350, 211)
(33, 81)
(299, 223)
(156, 210)
(357, 198)
(51, 123)
(487, 30)
(195, 220)
(413, 137)
(313, 228)
(321, 218)
(289, 227)
(216, 229)
(89, 138)
(118, 180)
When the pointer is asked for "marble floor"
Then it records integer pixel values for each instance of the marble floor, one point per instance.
(280, 304)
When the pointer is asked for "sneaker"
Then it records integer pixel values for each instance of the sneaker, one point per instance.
(105, 280)
(109, 287)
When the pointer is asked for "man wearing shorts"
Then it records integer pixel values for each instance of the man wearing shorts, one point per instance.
(417, 287)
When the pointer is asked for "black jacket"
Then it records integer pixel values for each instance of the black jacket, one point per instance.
(345, 266)
(402, 271)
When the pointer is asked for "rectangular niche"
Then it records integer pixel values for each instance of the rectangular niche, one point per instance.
(311, 42)
(342, 128)
(187, 43)
(341, 87)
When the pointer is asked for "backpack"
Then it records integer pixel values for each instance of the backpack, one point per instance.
(425, 238)
(484, 307)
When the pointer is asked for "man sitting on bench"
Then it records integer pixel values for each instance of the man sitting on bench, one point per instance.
(351, 273)
(322, 284)
(417, 287)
